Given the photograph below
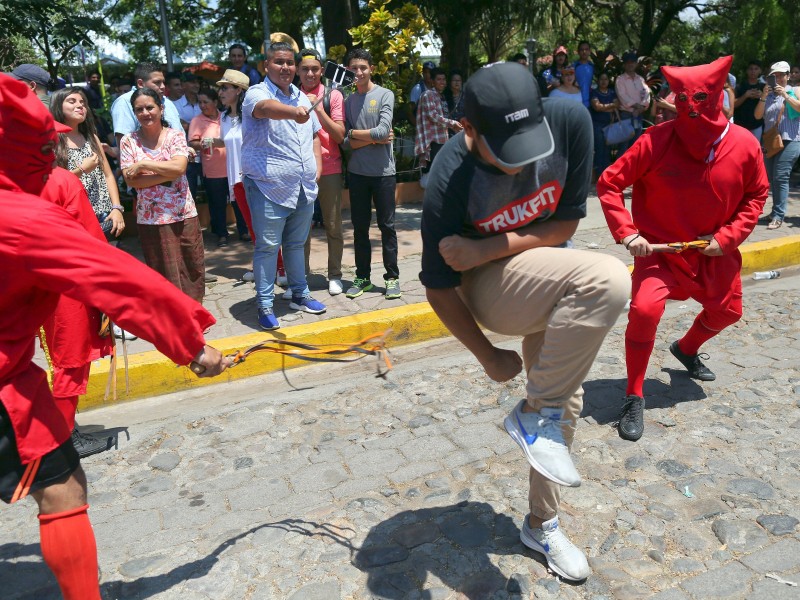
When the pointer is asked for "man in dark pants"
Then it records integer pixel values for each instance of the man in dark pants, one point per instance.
(368, 122)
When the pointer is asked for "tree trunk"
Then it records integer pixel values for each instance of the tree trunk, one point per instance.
(337, 18)
(455, 47)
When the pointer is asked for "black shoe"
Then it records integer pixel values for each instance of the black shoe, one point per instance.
(223, 241)
(693, 364)
(245, 237)
(631, 419)
(87, 445)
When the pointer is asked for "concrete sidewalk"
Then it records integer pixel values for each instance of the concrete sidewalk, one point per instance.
(233, 302)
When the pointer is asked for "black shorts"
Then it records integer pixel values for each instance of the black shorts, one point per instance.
(55, 466)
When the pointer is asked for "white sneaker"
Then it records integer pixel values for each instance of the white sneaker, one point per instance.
(287, 295)
(540, 437)
(282, 280)
(120, 334)
(335, 287)
(423, 180)
(563, 557)
(248, 277)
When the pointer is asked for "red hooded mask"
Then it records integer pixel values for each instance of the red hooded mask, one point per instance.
(698, 100)
(25, 127)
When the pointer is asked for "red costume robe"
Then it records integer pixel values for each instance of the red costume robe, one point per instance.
(44, 253)
(695, 176)
(71, 332)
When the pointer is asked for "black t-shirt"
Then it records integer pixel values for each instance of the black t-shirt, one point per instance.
(744, 115)
(465, 196)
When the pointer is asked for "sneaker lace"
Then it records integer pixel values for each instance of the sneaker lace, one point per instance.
(358, 282)
(552, 425)
(632, 409)
(557, 541)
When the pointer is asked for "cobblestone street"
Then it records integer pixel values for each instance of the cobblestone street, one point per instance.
(355, 487)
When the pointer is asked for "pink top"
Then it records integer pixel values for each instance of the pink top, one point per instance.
(214, 166)
(331, 156)
(159, 204)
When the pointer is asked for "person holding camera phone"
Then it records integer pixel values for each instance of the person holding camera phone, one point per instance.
(153, 161)
(81, 152)
(779, 104)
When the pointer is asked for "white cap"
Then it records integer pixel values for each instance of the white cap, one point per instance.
(779, 67)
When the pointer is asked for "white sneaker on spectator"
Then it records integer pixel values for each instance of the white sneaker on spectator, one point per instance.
(562, 556)
(248, 277)
(282, 280)
(335, 287)
(287, 295)
(120, 333)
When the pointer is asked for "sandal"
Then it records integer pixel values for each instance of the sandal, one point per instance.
(775, 223)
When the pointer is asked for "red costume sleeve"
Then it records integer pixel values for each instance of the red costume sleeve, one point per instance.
(73, 263)
(625, 171)
(744, 218)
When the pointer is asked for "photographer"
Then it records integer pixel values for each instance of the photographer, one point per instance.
(779, 104)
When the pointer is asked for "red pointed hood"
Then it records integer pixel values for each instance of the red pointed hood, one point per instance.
(25, 126)
(698, 100)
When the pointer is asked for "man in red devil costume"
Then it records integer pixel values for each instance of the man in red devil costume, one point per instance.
(45, 252)
(697, 177)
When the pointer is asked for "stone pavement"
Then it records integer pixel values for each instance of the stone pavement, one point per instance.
(408, 488)
(233, 302)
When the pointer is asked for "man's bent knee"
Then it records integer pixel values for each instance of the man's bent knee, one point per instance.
(66, 495)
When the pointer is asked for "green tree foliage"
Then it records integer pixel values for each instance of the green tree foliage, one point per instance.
(53, 27)
(391, 37)
(768, 30)
(240, 20)
(16, 50)
(138, 28)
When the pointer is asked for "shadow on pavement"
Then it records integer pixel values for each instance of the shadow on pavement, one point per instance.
(451, 543)
(146, 587)
(603, 398)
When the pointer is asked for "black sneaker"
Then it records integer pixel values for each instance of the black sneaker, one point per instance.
(693, 364)
(631, 420)
(87, 445)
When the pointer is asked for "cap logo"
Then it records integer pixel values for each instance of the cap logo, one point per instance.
(517, 115)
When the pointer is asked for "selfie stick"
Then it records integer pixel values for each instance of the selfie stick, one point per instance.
(339, 77)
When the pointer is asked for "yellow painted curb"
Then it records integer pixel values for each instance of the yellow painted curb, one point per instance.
(771, 254)
(151, 374)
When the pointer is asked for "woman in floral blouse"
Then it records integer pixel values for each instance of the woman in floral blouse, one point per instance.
(153, 161)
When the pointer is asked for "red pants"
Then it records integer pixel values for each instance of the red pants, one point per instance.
(718, 289)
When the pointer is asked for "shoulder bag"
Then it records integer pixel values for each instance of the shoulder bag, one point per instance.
(618, 131)
(771, 140)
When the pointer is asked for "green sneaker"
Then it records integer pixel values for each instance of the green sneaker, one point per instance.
(359, 287)
(393, 289)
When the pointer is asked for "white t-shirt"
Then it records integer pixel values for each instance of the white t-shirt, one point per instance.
(231, 128)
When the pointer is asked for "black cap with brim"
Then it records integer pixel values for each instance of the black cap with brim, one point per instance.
(522, 147)
(502, 102)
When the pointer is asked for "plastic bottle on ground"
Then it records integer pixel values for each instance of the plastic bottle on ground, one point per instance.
(766, 275)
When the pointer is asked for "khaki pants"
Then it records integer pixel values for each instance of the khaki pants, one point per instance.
(563, 302)
(330, 201)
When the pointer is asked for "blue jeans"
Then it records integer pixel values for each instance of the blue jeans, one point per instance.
(276, 226)
(194, 173)
(779, 168)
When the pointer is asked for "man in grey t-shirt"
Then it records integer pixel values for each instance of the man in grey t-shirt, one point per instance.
(368, 123)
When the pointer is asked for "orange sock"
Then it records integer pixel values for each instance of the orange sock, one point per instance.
(70, 550)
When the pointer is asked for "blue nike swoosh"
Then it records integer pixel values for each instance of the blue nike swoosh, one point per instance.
(529, 439)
